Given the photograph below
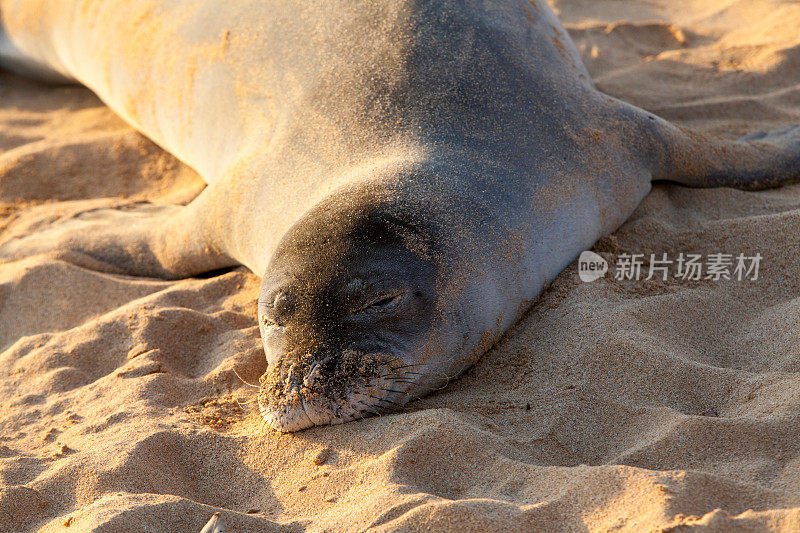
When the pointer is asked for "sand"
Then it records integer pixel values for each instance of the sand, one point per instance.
(613, 405)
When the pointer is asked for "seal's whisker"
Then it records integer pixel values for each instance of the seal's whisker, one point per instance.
(360, 416)
(243, 381)
(444, 386)
(409, 366)
(428, 363)
(402, 378)
(384, 400)
(432, 363)
(403, 375)
(394, 405)
(375, 398)
(367, 409)
(392, 376)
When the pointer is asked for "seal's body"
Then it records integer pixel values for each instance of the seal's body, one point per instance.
(408, 175)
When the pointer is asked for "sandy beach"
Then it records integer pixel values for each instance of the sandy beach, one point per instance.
(616, 405)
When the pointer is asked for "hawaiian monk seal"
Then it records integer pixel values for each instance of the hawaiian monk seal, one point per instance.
(407, 175)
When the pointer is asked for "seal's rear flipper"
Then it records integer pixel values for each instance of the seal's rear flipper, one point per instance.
(758, 161)
(167, 242)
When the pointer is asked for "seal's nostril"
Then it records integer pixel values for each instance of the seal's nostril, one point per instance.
(294, 377)
(312, 376)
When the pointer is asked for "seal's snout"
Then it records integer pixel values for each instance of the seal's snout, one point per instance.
(304, 389)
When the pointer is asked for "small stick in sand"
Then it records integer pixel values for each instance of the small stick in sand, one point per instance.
(215, 525)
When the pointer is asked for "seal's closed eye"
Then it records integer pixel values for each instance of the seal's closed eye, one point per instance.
(384, 303)
(276, 309)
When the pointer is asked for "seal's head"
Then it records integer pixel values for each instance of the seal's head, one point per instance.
(345, 311)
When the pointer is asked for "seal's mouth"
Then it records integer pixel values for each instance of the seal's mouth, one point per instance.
(298, 394)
